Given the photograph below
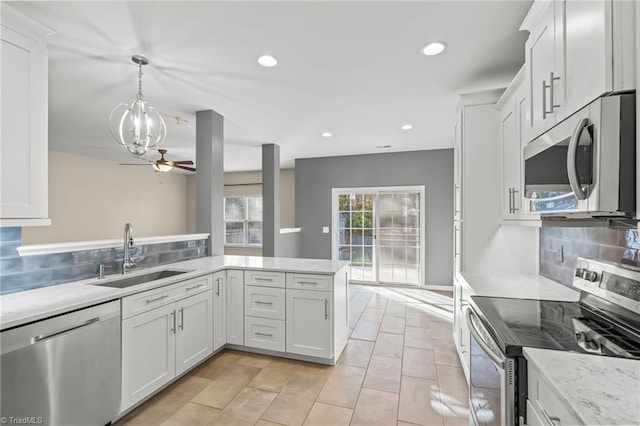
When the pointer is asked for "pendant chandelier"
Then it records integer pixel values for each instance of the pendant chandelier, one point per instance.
(137, 126)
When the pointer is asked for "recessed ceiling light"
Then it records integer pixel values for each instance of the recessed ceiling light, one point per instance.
(267, 61)
(434, 48)
(406, 127)
(326, 135)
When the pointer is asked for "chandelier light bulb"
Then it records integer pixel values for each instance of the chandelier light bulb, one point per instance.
(136, 125)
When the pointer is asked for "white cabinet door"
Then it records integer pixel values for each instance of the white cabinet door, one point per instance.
(219, 310)
(194, 339)
(235, 307)
(23, 138)
(511, 154)
(148, 353)
(585, 43)
(540, 61)
(309, 323)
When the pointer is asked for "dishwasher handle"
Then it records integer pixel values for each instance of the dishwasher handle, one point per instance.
(40, 338)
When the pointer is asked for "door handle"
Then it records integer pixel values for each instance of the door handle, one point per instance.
(218, 286)
(181, 319)
(194, 287)
(326, 308)
(157, 299)
(572, 171)
(551, 97)
(549, 86)
(510, 200)
(173, 321)
(515, 209)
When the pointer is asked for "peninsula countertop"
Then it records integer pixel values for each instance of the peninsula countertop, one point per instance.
(599, 390)
(32, 305)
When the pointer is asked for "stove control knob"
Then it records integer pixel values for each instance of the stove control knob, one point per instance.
(590, 276)
(579, 272)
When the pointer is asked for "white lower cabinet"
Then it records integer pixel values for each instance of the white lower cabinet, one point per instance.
(235, 307)
(219, 310)
(164, 342)
(309, 322)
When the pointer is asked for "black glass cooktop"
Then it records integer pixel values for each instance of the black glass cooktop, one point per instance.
(547, 324)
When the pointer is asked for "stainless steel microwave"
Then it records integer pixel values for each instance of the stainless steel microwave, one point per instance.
(585, 166)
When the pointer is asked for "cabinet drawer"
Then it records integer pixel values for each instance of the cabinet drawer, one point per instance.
(264, 333)
(309, 282)
(147, 300)
(264, 302)
(266, 279)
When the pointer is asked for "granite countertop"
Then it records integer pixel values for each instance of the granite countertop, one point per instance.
(32, 305)
(521, 286)
(599, 390)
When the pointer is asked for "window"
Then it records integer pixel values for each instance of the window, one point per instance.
(243, 220)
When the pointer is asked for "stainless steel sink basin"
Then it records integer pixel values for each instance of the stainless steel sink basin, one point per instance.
(141, 279)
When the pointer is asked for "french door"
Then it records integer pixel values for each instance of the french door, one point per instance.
(381, 232)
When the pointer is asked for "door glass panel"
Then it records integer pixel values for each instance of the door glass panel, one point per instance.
(379, 233)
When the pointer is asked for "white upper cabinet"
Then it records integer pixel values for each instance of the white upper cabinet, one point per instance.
(513, 109)
(577, 51)
(23, 137)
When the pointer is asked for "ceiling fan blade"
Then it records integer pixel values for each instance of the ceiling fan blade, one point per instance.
(178, 166)
(182, 162)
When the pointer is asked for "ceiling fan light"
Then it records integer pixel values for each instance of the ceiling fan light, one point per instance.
(162, 168)
(137, 126)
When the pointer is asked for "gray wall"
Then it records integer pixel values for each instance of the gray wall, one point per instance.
(615, 245)
(315, 178)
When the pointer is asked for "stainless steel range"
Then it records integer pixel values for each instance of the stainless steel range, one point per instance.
(606, 322)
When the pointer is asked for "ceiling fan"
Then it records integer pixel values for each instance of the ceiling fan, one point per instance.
(163, 165)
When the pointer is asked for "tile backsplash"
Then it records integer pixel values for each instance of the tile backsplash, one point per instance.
(560, 248)
(19, 273)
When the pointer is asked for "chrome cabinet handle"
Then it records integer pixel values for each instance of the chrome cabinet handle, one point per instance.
(308, 282)
(515, 209)
(218, 286)
(572, 169)
(257, 333)
(263, 279)
(326, 308)
(194, 287)
(549, 86)
(181, 319)
(260, 302)
(42, 337)
(157, 299)
(173, 321)
(510, 200)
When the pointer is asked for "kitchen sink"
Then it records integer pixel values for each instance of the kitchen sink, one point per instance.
(141, 279)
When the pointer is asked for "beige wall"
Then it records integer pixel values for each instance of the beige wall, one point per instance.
(249, 183)
(91, 199)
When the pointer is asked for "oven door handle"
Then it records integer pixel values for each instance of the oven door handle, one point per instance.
(572, 170)
(497, 359)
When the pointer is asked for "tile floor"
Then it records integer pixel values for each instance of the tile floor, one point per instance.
(399, 368)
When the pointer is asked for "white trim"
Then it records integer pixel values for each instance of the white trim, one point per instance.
(438, 287)
(290, 230)
(35, 249)
(24, 222)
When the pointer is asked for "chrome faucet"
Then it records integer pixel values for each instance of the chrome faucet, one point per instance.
(127, 261)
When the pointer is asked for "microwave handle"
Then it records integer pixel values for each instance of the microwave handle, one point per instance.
(572, 170)
(497, 359)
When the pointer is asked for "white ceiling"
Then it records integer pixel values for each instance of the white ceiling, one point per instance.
(349, 68)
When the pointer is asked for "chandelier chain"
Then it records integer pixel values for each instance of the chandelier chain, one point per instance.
(139, 81)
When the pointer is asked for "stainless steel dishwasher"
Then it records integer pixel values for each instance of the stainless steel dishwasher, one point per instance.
(63, 370)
